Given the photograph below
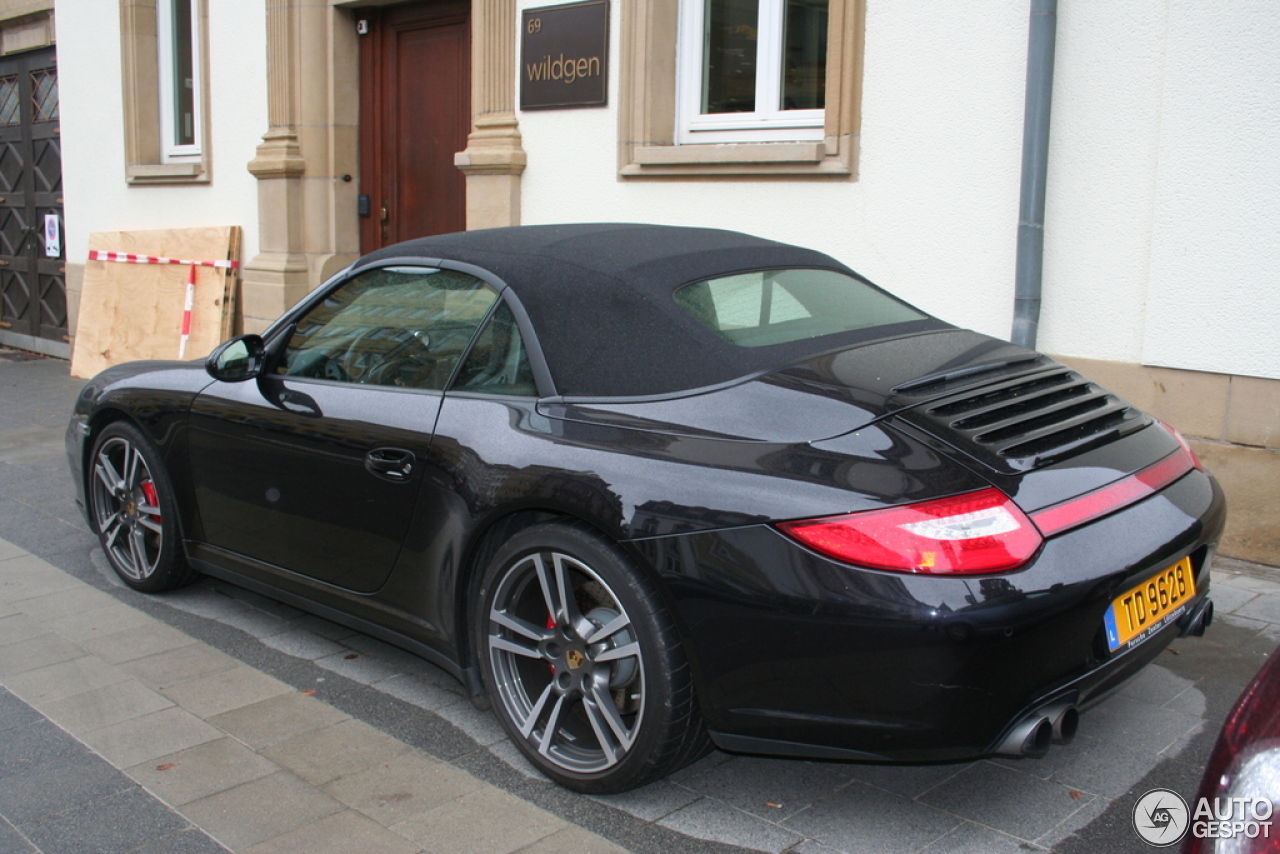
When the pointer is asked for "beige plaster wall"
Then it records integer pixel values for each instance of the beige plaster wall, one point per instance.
(1233, 423)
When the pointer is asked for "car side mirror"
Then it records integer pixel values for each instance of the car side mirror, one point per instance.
(242, 358)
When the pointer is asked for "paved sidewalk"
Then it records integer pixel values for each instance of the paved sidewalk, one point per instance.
(253, 762)
(213, 717)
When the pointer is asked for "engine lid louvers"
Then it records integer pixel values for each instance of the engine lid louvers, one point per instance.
(1038, 416)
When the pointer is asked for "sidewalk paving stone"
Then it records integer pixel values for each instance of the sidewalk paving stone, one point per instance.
(323, 755)
(572, 840)
(1003, 799)
(64, 679)
(708, 818)
(340, 833)
(198, 772)
(150, 638)
(139, 739)
(225, 690)
(105, 706)
(402, 787)
(471, 822)
(860, 818)
(277, 719)
(16, 626)
(260, 809)
(164, 670)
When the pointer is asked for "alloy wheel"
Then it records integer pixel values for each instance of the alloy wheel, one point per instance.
(126, 508)
(569, 671)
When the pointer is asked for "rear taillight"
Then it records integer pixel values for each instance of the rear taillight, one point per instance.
(1113, 497)
(966, 534)
(1186, 446)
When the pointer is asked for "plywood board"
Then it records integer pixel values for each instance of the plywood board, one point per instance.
(230, 298)
(132, 311)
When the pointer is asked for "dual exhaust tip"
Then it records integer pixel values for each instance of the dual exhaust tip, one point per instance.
(1055, 723)
(1197, 619)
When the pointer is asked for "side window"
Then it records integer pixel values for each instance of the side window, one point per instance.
(498, 363)
(393, 326)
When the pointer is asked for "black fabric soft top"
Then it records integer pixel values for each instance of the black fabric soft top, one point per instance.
(600, 297)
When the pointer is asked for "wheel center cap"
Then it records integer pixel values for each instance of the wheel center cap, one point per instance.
(575, 659)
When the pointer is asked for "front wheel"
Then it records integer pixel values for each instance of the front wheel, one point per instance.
(133, 510)
(583, 664)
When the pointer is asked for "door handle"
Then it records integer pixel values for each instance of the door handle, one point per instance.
(385, 215)
(391, 463)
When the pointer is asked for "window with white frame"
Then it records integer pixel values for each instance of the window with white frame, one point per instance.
(176, 48)
(751, 70)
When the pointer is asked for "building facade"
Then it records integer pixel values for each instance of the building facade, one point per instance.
(887, 134)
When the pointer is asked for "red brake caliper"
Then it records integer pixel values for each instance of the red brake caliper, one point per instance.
(153, 498)
(551, 624)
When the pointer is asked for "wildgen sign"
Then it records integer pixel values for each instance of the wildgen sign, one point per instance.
(564, 56)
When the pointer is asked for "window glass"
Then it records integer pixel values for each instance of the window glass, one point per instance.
(393, 326)
(804, 57)
(752, 70)
(184, 75)
(179, 83)
(729, 56)
(498, 363)
(778, 306)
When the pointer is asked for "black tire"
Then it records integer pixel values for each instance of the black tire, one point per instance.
(132, 509)
(594, 688)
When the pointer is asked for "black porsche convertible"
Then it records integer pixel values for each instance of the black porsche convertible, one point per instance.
(647, 489)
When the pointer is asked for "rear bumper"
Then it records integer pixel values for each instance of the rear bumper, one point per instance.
(799, 655)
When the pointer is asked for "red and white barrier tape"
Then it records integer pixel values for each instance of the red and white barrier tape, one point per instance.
(186, 312)
(130, 258)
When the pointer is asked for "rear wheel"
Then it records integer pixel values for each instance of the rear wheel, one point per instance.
(133, 510)
(582, 663)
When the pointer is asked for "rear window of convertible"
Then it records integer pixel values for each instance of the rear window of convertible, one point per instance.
(780, 306)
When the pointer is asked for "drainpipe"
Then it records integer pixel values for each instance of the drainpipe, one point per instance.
(1035, 165)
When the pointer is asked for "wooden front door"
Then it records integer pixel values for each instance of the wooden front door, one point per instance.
(415, 114)
(33, 290)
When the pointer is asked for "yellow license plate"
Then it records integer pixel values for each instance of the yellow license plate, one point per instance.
(1141, 611)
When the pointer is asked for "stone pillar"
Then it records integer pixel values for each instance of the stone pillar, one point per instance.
(312, 103)
(277, 277)
(494, 157)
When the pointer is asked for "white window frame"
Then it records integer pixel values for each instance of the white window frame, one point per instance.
(768, 123)
(171, 150)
